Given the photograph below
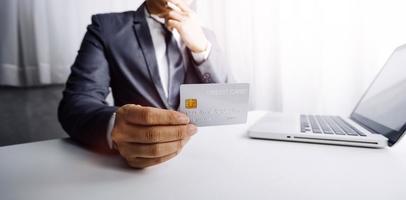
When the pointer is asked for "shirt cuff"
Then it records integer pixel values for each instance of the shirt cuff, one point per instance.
(110, 131)
(200, 57)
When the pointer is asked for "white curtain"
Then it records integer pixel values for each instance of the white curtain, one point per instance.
(299, 55)
(39, 38)
(306, 55)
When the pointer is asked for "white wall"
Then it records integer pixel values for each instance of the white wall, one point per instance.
(307, 56)
(299, 56)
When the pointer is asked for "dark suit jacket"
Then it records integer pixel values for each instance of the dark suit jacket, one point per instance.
(117, 52)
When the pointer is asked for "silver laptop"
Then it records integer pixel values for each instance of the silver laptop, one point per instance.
(378, 120)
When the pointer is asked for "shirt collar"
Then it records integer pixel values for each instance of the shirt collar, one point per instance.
(154, 17)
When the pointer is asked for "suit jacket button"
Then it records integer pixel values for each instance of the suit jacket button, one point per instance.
(207, 77)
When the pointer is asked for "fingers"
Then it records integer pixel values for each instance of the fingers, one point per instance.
(174, 15)
(147, 136)
(141, 163)
(181, 4)
(133, 150)
(142, 156)
(174, 20)
(153, 116)
(173, 24)
(158, 134)
(172, 6)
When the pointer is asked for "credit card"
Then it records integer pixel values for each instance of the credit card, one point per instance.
(215, 104)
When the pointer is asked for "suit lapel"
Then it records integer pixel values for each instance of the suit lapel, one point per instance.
(144, 39)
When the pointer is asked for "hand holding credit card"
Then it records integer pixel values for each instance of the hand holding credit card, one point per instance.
(215, 104)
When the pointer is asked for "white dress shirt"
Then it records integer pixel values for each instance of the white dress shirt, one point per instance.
(155, 25)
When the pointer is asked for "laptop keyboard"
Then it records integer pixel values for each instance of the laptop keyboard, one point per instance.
(331, 125)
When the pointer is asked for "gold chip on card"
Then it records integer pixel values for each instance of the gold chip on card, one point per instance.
(191, 103)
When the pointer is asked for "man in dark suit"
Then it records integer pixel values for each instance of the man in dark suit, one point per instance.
(144, 57)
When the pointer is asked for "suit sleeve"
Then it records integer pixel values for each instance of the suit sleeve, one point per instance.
(83, 112)
(215, 68)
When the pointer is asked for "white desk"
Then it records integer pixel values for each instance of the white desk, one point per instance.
(218, 163)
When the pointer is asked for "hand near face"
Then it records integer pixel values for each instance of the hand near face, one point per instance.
(185, 21)
(148, 136)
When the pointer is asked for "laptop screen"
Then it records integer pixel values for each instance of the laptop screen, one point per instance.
(382, 109)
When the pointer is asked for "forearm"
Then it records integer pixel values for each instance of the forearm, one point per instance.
(86, 119)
